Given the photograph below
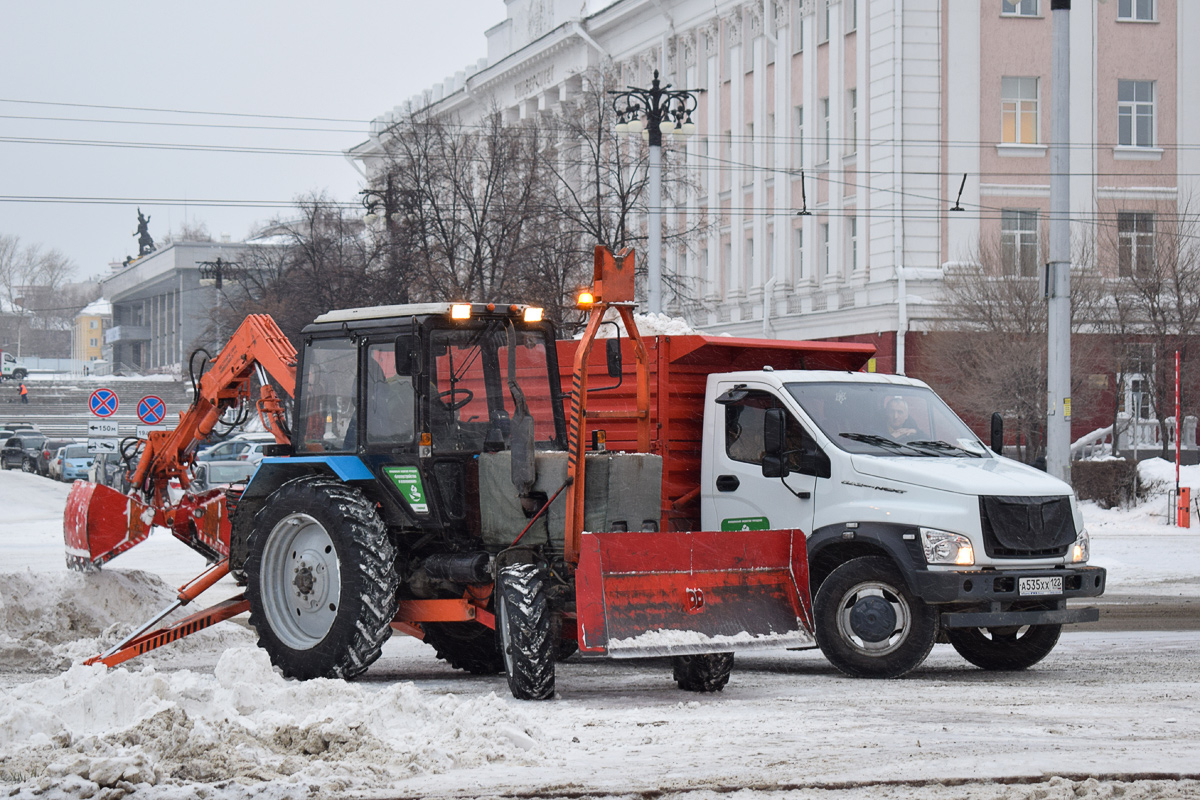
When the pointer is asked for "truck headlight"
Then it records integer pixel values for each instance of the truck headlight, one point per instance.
(1081, 551)
(943, 547)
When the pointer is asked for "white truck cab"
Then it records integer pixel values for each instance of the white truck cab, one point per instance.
(11, 368)
(917, 532)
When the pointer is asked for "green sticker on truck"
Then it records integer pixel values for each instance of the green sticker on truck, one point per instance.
(746, 524)
(408, 481)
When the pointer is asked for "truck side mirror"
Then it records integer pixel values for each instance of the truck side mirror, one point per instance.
(406, 346)
(774, 463)
(612, 354)
(997, 433)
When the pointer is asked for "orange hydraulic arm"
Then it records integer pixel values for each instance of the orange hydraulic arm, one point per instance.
(256, 345)
(100, 523)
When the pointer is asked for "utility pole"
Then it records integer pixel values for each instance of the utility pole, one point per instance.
(214, 273)
(1058, 270)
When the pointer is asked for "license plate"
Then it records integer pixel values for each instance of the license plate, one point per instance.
(1032, 587)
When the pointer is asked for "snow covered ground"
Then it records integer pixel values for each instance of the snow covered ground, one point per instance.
(1107, 714)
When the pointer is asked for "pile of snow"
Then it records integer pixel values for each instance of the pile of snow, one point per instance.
(647, 324)
(244, 724)
(52, 620)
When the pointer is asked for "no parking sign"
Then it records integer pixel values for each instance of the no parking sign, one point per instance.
(151, 409)
(103, 402)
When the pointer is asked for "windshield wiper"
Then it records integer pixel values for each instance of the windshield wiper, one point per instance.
(883, 441)
(946, 447)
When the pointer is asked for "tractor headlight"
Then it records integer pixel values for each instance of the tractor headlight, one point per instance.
(943, 547)
(1081, 551)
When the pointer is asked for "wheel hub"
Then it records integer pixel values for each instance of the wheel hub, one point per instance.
(872, 619)
(309, 582)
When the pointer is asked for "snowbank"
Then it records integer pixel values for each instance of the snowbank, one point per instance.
(648, 325)
(244, 724)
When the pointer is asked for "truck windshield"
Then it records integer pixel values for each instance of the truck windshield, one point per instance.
(887, 419)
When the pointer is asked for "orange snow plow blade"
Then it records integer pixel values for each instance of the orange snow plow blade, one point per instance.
(101, 523)
(656, 594)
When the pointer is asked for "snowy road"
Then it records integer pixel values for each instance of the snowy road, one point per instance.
(1108, 713)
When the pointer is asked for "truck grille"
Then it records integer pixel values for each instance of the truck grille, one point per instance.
(1026, 527)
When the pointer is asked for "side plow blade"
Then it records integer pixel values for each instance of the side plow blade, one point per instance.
(101, 523)
(660, 594)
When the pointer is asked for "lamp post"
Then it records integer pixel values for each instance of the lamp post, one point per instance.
(653, 112)
(385, 201)
(214, 273)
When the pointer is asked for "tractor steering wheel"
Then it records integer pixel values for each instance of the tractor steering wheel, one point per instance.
(466, 394)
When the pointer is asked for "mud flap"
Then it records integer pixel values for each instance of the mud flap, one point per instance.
(100, 523)
(661, 594)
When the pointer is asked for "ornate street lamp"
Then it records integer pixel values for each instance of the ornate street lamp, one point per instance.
(653, 112)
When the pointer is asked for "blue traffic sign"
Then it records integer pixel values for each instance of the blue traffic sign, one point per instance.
(103, 402)
(151, 409)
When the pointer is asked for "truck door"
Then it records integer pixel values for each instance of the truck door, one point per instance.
(736, 496)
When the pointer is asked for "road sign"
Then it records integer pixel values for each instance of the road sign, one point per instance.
(143, 431)
(102, 427)
(103, 402)
(151, 409)
(102, 445)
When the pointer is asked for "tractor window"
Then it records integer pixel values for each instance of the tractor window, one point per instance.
(389, 398)
(533, 378)
(327, 396)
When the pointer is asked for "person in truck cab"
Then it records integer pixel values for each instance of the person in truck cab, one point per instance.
(899, 426)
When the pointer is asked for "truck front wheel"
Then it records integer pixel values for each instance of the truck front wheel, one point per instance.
(867, 622)
(1009, 648)
(526, 632)
(321, 581)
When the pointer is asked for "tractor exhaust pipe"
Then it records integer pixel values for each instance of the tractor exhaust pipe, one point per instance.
(459, 567)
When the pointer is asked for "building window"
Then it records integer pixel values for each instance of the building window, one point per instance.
(825, 129)
(1135, 243)
(93, 342)
(1135, 10)
(798, 261)
(852, 121)
(851, 15)
(852, 242)
(1018, 242)
(1019, 8)
(825, 249)
(726, 266)
(1019, 110)
(748, 265)
(748, 149)
(91, 323)
(823, 21)
(798, 117)
(1135, 113)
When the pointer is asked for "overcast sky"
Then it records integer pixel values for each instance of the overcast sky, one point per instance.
(347, 61)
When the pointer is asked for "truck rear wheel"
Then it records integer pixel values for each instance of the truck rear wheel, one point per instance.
(526, 632)
(1009, 648)
(320, 580)
(867, 622)
(708, 672)
(468, 646)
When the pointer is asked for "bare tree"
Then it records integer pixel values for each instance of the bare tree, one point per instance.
(31, 283)
(988, 353)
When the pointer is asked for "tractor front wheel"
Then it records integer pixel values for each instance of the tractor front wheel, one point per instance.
(321, 579)
(703, 673)
(526, 632)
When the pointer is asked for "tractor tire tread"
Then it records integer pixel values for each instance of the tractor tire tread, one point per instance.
(370, 581)
(468, 646)
(708, 672)
(527, 632)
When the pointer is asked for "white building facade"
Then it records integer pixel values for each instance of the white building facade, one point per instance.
(867, 114)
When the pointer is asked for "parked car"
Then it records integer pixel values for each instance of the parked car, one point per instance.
(49, 448)
(108, 470)
(19, 426)
(21, 450)
(254, 451)
(228, 450)
(76, 463)
(220, 475)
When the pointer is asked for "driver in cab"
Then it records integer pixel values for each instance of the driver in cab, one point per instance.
(899, 427)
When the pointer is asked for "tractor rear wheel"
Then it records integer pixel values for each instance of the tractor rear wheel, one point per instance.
(321, 579)
(468, 646)
(526, 630)
(708, 672)
(1010, 648)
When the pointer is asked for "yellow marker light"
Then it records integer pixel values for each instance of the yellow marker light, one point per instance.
(966, 555)
(585, 300)
(460, 311)
(533, 315)
(426, 439)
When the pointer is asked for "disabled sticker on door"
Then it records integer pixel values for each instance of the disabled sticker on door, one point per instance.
(408, 481)
(746, 524)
